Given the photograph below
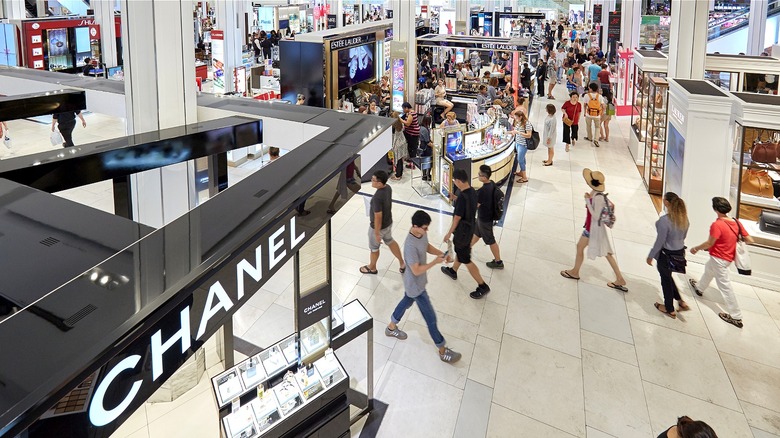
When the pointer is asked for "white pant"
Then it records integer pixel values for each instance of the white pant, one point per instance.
(719, 269)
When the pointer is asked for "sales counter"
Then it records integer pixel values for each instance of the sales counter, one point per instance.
(469, 147)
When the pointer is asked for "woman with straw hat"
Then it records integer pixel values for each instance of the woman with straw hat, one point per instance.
(594, 236)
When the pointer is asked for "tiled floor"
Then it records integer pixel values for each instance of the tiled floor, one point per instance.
(542, 355)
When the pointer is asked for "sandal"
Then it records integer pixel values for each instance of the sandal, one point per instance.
(546, 163)
(567, 148)
(620, 287)
(366, 270)
(565, 274)
(521, 180)
(661, 308)
(683, 306)
(733, 321)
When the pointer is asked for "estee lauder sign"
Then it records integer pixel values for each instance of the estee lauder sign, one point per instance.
(135, 374)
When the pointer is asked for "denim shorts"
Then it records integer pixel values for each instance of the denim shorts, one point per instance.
(585, 233)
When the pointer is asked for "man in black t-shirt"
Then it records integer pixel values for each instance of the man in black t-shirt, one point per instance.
(484, 224)
(66, 122)
(381, 228)
(461, 230)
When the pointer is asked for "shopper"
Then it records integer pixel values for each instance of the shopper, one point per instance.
(670, 245)
(426, 144)
(522, 130)
(449, 120)
(256, 47)
(722, 245)
(593, 71)
(461, 230)
(381, 228)
(550, 134)
(411, 129)
(541, 76)
(87, 69)
(301, 100)
(66, 122)
(441, 98)
(606, 115)
(593, 104)
(571, 110)
(416, 246)
(552, 77)
(594, 236)
(525, 77)
(485, 209)
(400, 149)
(688, 428)
(483, 99)
(603, 78)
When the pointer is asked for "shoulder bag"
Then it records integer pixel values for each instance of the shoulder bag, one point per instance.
(741, 255)
(769, 222)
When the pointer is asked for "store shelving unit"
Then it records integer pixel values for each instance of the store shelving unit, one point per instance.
(655, 108)
(648, 64)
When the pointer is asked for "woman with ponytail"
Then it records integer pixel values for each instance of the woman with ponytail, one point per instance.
(669, 251)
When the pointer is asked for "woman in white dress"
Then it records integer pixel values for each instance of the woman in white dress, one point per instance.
(595, 235)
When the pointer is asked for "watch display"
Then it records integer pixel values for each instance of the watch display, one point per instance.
(228, 386)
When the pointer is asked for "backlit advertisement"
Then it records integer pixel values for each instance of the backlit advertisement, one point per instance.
(398, 84)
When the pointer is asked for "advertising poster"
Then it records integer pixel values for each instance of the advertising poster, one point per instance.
(218, 60)
(447, 21)
(613, 26)
(265, 18)
(597, 13)
(239, 80)
(331, 21)
(398, 85)
(576, 13)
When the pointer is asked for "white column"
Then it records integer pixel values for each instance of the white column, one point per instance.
(403, 33)
(461, 16)
(227, 12)
(606, 7)
(40, 6)
(160, 93)
(688, 39)
(337, 7)
(104, 16)
(12, 9)
(757, 27)
(630, 19)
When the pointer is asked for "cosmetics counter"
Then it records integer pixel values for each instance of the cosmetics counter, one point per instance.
(486, 142)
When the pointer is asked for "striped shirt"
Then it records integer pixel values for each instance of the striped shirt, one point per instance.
(414, 128)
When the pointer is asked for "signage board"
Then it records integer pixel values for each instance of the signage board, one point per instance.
(332, 21)
(613, 26)
(597, 13)
(398, 84)
(345, 43)
(218, 59)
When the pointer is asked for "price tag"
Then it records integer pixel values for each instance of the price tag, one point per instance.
(234, 405)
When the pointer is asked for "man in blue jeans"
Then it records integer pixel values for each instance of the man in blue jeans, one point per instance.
(415, 278)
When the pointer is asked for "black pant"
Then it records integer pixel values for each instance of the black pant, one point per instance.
(412, 143)
(399, 168)
(667, 282)
(570, 133)
(540, 87)
(67, 134)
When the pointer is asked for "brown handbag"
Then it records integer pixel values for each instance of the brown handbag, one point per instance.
(757, 183)
(765, 151)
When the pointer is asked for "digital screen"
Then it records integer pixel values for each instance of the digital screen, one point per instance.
(398, 84)
(455, 143)
(82, 40)
(675, 154)
(58, 42)
(459, 55)
(356, 65)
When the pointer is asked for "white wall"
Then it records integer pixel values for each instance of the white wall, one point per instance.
(97, 101)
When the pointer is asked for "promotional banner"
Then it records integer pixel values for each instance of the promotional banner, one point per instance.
(218, 59)
(239, 80)
(447, 21)
(613, 26)
(332, 21)
(597, 13)
(398, 84)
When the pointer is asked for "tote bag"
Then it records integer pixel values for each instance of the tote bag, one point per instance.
(56, 138)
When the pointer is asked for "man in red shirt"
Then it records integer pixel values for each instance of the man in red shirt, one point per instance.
(604, 76)
(722, 246)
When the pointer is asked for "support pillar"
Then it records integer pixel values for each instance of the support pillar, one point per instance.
(337, 8)
(40, 6)
(104, 16)
(630, 19)
(688, 39)
(462, 17)
(606, 7)
(12, 9)
(757, 27)
(404, 35)
(227, 13)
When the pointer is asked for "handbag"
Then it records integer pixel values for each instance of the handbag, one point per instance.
(56, 138)
(7, 142)
(769, 222)
(765, 151)
(757, 183)
(742, 256)
(677, 262)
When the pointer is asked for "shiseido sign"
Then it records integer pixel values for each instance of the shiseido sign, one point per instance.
(131, 377)
(352, 41)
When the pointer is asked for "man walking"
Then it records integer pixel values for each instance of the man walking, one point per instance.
(415, 248)
(722, 245)
(485, 209)
(66, 122)
(462, 230)
(381, 223)
(594, 107)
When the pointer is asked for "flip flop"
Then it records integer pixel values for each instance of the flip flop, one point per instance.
(565, 274)
(683, 306)
(549, 163)
(661, 308)
(366, 270)
(402, 270)
(619, 287)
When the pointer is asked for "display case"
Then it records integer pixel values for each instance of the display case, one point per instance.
(755, 176)
(640, 99)
(742, 73)
(625, 78)
(656, 104)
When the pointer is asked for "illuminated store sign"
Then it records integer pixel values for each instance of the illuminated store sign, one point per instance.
(192, 322)
(352, 41)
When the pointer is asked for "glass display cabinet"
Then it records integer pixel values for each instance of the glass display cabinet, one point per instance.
(655, 108)
(640, 101)
(755, 183)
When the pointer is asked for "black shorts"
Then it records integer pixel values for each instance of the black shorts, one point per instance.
(484, 230)
(463, 252)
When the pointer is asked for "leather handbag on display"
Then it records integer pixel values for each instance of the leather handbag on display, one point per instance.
(757, 183)
(769, 222)
(765, 151)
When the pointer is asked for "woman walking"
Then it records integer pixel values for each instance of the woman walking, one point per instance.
(571, 110)
(522, 131)
(606, 116)
(594, 236)
(549, 134)
(552, 77)
(400, 149)
(670, 245)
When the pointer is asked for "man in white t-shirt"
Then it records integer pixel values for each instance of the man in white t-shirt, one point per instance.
(585, 65)
(593, 105)
(543, 54)
(560, 57)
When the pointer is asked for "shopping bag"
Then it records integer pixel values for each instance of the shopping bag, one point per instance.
(7, 142)
(56, 138)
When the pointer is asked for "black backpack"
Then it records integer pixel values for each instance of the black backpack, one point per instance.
(498, 203)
